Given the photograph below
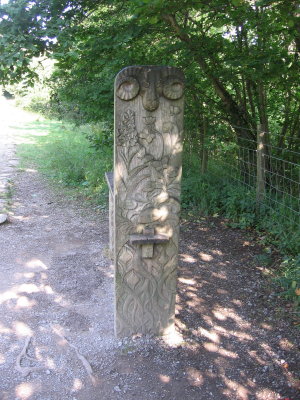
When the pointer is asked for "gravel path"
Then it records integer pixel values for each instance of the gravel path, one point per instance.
(7, 149)
(234, 340)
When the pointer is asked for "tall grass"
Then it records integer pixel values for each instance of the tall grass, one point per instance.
(64, 154)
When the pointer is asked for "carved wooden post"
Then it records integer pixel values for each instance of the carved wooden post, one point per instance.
(147, 175)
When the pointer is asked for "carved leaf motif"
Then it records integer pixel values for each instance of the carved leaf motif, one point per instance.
(149, 186)
(132, 279)
(147, 136)
(130, 204)
(151, 139)
(141, 198)
(147, 216)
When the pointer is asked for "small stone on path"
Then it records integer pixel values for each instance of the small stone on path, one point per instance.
(3, 218)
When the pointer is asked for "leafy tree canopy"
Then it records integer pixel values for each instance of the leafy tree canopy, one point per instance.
(240, 57)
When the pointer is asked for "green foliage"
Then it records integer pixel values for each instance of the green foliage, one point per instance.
(289, 280)
(239, 205)
(30, 29)
(216, 193)
(284, 229)
(239, 57)
(65, 155)
(35, 98)
(199, 191)
(99, 134)
(265, 258)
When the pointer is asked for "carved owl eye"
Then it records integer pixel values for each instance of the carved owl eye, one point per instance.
(128, 89)
(173, 88)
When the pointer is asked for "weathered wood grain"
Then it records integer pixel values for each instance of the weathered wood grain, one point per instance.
(147, 175)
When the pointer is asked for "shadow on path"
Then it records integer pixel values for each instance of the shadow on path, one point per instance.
(56, 313)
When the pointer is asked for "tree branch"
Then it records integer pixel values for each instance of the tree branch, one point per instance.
(238, 117)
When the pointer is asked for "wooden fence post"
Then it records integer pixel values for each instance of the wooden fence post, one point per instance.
(260, 158)
(204, 152)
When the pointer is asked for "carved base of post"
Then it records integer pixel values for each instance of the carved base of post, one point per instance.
(145, 295)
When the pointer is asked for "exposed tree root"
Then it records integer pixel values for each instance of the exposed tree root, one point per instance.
(84, 361)
(26, 370)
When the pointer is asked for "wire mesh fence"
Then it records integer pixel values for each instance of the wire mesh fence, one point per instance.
(271, 170)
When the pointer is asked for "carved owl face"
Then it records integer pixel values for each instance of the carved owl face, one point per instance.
(151, 83)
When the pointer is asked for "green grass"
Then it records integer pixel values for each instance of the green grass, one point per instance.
(65, 155)
(6, 198)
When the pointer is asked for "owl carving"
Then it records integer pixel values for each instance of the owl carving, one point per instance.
(151, 83)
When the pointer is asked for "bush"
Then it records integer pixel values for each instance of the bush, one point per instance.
(35, 98)
(289, 280)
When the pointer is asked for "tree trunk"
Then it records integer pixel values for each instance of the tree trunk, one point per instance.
(203, 150)
(260, 175)
(286, 121)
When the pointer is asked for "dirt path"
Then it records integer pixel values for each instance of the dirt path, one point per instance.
(56, 312)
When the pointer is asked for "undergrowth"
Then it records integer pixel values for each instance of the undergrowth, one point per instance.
(64, 154)
(216, 193)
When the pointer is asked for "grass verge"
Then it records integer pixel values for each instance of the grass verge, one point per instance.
(63, 154)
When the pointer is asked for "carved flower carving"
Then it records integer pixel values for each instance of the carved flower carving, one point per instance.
(127, 133)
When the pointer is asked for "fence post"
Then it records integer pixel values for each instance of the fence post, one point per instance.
(203, 150)
(260, 159)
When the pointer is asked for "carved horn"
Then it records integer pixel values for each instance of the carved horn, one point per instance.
(128, 88)
(173, 88)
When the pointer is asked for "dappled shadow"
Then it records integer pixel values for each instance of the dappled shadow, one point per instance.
(235, 343)
(52, 276)
(56, 290)
(229, 315)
